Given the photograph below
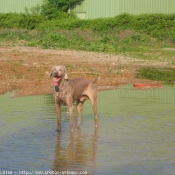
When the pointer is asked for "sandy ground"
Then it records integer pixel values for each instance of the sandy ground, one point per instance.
(26, 70)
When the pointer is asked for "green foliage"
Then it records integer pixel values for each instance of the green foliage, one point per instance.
(141, 36)
(71, 40)
(137, 38)
(56, 9)
(159, 26)
(36, 10)
(166, 75)
(127, 42)
(30, 21)
(67, 23)
(14, 20)
(14, 35)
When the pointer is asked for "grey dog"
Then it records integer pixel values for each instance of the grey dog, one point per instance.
(68, 91)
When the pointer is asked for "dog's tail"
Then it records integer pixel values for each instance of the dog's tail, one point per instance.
(94, 81)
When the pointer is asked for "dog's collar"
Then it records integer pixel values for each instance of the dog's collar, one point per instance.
(56, 88)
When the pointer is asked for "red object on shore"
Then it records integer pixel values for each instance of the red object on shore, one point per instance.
(142, 85)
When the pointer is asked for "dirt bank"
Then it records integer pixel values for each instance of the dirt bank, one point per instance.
(27, 69)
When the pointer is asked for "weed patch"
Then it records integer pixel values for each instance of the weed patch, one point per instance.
(137, 36)
(165, 75)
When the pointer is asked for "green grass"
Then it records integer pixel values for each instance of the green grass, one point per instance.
(129, 43)
(167, 75)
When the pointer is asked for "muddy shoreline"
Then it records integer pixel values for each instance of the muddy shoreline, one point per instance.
(26, 69)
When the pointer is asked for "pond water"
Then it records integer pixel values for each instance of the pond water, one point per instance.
(136, 134)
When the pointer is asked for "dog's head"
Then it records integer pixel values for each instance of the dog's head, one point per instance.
(59, 71)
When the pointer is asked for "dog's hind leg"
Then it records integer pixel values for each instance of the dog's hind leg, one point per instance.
(79, 108)
(93, 99)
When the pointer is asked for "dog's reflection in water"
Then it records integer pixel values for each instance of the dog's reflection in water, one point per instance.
(78, 155)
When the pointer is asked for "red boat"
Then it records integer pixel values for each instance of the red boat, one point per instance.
(142, 85)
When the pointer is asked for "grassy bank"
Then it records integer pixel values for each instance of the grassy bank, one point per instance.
(160, 26)
(166, 75)
(127, 42)
(147, 37)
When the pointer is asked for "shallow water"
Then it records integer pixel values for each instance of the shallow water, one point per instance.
(136, 134)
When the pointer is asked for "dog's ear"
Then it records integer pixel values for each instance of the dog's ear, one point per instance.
(51, 73)
(65, 73)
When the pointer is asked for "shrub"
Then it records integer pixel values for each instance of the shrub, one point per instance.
(166, 75)
(14, 20)
(160, 26)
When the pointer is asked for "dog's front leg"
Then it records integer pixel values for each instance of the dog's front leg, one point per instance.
(58, 111)
(71, 114)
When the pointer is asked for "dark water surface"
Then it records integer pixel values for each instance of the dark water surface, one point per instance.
(136, 134)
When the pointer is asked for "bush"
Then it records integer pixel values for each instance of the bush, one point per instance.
(159, 26)
(14, 20)
(155, 25)
(166, 75)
